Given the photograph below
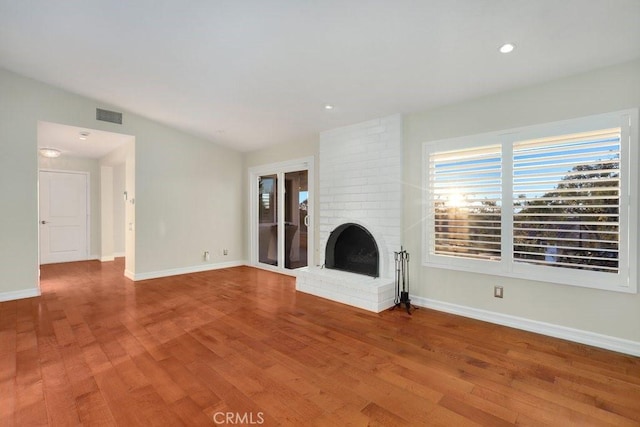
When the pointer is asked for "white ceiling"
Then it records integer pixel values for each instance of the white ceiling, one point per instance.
(67, 139)
(249, 73)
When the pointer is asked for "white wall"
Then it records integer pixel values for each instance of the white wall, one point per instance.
(118, 209)
(106, 213)
(600, 312)
(188, 200)
(188, 188)
(282, 152)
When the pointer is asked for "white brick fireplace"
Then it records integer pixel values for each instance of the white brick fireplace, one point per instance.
(360, 174)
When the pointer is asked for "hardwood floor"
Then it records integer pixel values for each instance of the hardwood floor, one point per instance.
(240, 346)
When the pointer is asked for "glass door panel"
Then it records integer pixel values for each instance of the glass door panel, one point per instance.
(268, 219)
(296, 219)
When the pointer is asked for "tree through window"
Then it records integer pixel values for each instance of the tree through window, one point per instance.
(574, 224)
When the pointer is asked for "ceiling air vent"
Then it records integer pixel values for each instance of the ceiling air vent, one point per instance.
(108, 116)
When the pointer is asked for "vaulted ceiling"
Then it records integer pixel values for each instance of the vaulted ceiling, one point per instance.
(250, 73)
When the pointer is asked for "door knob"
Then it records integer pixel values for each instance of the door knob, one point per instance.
(44, 222)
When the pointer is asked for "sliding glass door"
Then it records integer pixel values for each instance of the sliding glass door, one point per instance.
(281, 208)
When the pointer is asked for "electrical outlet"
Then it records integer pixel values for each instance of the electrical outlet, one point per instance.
(206, 256)
(225, 252)
(498, 291)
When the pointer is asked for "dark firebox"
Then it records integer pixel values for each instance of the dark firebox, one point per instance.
(352, 248)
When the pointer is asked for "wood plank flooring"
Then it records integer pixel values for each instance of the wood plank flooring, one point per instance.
(240, 347)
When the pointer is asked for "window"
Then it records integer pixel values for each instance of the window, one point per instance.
(552, 202)
(467, 201)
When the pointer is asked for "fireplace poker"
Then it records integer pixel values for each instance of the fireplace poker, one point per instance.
(402, 280)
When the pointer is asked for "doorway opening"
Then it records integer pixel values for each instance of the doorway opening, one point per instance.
(105, 163)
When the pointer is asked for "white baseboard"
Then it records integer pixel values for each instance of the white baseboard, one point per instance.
(577, 335)
(14, 295)
(129, 275)
(112, 257)
(183, 270)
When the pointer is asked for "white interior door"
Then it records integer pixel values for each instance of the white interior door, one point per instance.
(63, 217)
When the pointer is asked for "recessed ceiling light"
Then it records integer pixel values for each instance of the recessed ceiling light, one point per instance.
(506, 48)
(84, 135)
(49, 152)
(328, 107)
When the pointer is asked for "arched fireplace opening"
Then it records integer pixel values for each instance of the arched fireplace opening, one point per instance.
(352, 248)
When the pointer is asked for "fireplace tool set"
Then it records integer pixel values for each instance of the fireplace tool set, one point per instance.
(402, 280)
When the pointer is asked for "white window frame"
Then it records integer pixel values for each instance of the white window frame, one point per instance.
(623, 281)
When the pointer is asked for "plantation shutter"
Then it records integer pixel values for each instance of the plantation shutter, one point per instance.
(566, 201)
(465, 201)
